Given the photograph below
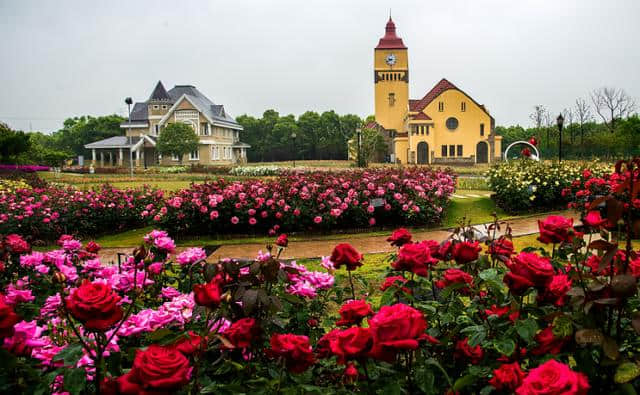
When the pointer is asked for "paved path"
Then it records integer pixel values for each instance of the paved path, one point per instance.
(364, 244)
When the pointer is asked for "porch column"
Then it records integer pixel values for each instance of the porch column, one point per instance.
(138, 157)
(120, 158)
(93, 155)
(101, 158)
(142, 155)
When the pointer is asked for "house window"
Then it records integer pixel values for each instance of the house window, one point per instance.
(452, 150)
(175, 157)
(215, 152)
(204, 129)
(194, 155)
(392, 99)
(444, 151)
(155, 106)
(452, 123)
(463, 106)
(482, 129)
(459, 150)
(440, 106)
(164, 106)
(156, 128)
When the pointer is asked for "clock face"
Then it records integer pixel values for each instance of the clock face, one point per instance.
(391, 59)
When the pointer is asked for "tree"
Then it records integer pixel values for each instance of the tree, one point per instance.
(612, 104)
(12, 143)
(583, 115)
(372, 145)
(78, 131)
(538, 116)
(310, 133)
(177, 139)
(567, 114)
(43, 152)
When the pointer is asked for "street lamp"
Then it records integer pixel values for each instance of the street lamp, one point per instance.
(129, 103)
(293, 138)
(359, 142)
(560, 121)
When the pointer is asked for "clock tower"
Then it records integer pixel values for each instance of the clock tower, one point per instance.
(391, 78)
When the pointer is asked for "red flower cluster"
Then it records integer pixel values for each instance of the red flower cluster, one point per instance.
(156, 370)
(556, 229)
(507, 377)
(8, 318)
(95, 305)
(466, 251)
(293, 349)
(345, 254)
(415, 258)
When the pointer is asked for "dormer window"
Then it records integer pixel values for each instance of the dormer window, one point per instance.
(156, 107)
(164, 106)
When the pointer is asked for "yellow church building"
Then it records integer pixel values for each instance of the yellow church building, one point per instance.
(445, 126)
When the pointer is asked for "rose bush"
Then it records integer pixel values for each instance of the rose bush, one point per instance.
(557, 320)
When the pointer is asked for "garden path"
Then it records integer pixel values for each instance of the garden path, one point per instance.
(366, 245)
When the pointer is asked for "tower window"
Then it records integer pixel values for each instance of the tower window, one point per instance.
(444, 151)
(482, 129)
(459, 147)
(440, 106)
(463, 106)
(155, 106)
(392, 99)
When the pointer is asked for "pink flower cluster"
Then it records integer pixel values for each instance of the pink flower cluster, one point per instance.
(307, 283)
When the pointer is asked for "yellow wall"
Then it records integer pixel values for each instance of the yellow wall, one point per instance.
(391, 116)
(466, 134)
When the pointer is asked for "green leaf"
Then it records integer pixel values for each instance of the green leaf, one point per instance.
(464, 381)
(505, 346)
(489, 275)
(433, 362)
(75, 380)
(425, 380)
(70, 354)
(526, 329)
(626, 372)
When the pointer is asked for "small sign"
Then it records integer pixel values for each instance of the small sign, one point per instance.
(377, 202)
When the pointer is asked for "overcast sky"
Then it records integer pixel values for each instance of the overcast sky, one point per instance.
(68, 58)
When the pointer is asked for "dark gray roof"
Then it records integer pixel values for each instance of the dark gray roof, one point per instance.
(115, 142)
(140, 112)
(239, 144)
(214, 111)
(159, 93)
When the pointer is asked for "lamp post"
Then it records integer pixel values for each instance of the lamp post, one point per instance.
(560, 121)
(293, 138)
(129, 102)
(359, 146)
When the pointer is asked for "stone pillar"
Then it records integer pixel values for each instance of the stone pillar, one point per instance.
(120, 158)
(93, 155)
(101, 158)
(138, 155)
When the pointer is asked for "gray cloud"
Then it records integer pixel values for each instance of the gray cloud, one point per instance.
(68, 58)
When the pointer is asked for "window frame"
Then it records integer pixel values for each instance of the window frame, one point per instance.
(197, 157)
(459, 150)
(443, 151)
(452, 150)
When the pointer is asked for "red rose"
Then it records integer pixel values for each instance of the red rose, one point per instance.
(64, 238)
(294, 349)
(455, 276)
(399, 237)
(126, 385)
(533, 141)
(556, 291)
(17, 244)
(517, 284)
(93, 247)
(395, 281)
(554, 378)
(555, 229)
(526, 152)
(464, 350)
(501, 247)
(345, 254)
(191, 344)
(242, 332)
(353, 312)
(548, 343)
(497, 311)
(594, 219)
(95, 305)
(8, 318)
(507, 377)
(395, 328)
(444, 252)
(351, 374)
(536, 269)
(282, 240)
(323, 345)
(352, 343)
(159, 369)
(415, 258)
(209, 294)
(466, 251)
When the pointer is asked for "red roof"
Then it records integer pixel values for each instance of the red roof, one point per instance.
(390, 39)
(371, 125)
(421, 117)
(419, 105)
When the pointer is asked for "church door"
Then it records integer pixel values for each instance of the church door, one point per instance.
(482, 152)
(423, 153)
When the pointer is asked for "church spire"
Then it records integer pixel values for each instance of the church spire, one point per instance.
(390, 39)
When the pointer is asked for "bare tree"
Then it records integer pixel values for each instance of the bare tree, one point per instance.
(548, 124)
(567, 114)
(537, 116)
(583, 115)
(612, 104)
